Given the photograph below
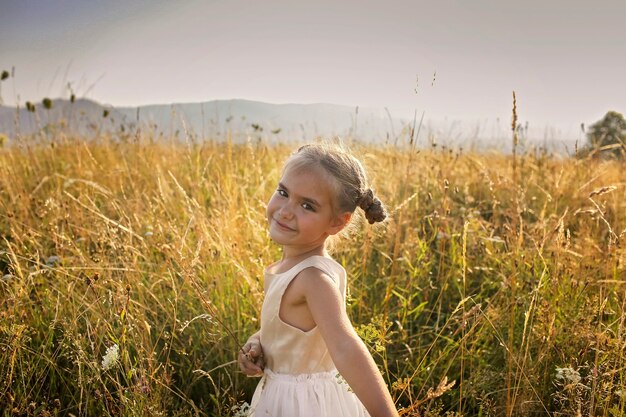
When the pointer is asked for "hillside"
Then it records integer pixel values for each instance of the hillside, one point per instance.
(242, 118)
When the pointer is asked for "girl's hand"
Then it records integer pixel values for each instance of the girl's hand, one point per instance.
(250, 358)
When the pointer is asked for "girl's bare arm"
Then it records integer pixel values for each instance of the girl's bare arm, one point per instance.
(346, 348)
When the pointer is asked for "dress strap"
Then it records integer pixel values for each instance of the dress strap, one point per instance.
(327, 265)
(319, 262)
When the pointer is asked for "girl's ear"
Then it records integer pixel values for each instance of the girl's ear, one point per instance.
(339, 222)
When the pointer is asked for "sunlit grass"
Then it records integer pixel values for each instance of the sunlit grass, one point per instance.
(489, 276)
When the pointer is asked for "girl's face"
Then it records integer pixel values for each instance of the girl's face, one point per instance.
(300, 213)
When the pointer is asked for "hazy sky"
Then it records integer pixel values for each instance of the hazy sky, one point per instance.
(566, 59)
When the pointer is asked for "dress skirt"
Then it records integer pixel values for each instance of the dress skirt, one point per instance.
(321, 394)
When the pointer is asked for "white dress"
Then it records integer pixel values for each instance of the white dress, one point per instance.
(300, 378)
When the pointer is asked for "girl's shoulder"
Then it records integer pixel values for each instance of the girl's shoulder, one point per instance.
(309, 276)
(317, 265)
(327, 262)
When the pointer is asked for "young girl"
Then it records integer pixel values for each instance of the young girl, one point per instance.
(307, 346)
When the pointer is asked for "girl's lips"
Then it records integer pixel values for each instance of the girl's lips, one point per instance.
(284, 226)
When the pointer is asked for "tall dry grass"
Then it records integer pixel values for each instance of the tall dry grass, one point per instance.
(491, 290)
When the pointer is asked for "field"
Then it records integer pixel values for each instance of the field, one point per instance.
(132, 272)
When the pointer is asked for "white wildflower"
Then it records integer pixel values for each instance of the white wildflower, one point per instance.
(111, 357)
(568, 375)
(241, 410)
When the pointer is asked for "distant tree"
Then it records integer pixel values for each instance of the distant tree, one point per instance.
(3, 76)
(609, 134)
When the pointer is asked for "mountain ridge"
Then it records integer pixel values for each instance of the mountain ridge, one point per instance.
(202, 118)
(243, 119)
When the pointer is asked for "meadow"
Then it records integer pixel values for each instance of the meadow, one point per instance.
(132, 272)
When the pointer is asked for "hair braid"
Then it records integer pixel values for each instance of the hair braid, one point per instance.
(372, 206)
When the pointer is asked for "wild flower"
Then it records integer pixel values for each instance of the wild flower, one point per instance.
(241, 410)
(568, 375)
(205, 316)
(111, 357)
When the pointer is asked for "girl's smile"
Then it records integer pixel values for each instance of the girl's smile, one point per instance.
(283, 226)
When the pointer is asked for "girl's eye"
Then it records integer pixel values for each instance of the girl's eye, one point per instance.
(308, 207)
(282, 192)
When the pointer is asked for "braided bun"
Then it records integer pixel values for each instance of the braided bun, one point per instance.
(372, 206)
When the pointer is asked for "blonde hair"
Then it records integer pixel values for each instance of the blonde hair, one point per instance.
(351, 185)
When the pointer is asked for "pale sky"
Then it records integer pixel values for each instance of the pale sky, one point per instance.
(566, 59)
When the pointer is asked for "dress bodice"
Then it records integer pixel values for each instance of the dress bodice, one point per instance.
(287, 349)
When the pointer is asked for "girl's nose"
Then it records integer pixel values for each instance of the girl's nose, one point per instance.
(285, 212)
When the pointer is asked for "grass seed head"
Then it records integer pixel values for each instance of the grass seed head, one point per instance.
(602, 190)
